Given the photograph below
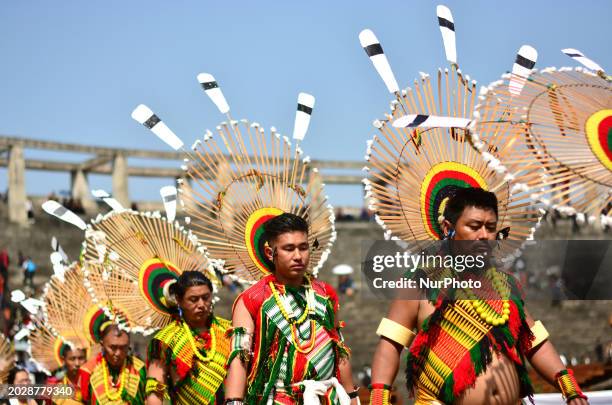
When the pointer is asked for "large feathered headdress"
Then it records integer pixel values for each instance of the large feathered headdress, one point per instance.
(423, 153)
(7, 358)
(70, 312)
(562, 119)
(133, 258)
(241, 177)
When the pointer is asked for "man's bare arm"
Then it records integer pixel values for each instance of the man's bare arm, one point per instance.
(236, 379)
(156, 370)
(387, 355)
(546, 361)
(346, 376)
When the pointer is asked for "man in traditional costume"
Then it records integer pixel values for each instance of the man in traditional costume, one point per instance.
(158, 276)
(287, 346)
(240, 180)
(467, 349)
(72, 359)
(186, 359)
(65, 332)
(113, 376)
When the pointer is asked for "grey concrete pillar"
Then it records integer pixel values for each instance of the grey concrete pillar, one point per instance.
(80, 191)
(185, 186)
(120, 180)
(16, 186)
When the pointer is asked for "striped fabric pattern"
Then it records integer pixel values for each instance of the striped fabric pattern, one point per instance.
(132, 384)
(204, 380)
(320, 361)
(285, 365)
(456, 345)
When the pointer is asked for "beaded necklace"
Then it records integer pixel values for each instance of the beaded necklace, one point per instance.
(310, 304)
(485, 311)
(117, 394)
(213, 344)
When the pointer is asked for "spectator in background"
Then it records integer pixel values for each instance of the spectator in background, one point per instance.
(4, 266)
(20, 258)
(19, 376)
(29, 269)
(365, 214)
(599, 351)
(30, 210)
(346, 285)
(556, 290)
(53, 196)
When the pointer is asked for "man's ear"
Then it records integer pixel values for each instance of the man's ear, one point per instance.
(446, 226)
(269, 252)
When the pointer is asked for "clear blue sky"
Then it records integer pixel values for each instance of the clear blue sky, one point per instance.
(73, 71)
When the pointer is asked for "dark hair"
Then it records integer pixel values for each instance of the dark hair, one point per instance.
(67, 348)
(13, 374)
(188, 279)
(284, 223)
(469, 197)
(112, 327)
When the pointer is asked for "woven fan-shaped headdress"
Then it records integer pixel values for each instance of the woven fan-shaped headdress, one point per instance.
(52, 331)
(423, 154)
(70, 312)
(242, 177)
(132, 258)
(7, 358)
(561, 118)
(47, 348)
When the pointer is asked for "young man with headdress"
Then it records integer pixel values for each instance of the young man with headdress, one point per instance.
(298, 353)
(113, 376)
(186, 359)
(468, 349)
(73, 358)
(286, 344)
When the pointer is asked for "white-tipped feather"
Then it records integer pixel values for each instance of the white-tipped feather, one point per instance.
(59, 270)
(57, 210)
(212, 89)
(168, 195)
(447, 28)
(21, 334)
(56, 258)
(110, 201)
(31, 305)
(526, 58)
(372, 46)
(580, 58)
(17, 296)
(143, 115)
(302, 116)
(430, 121)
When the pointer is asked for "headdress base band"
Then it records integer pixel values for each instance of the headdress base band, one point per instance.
(395, 332)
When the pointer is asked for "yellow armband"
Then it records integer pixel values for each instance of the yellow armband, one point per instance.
(155, 387)
(540, 333)
(395, 332)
